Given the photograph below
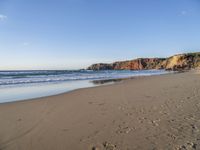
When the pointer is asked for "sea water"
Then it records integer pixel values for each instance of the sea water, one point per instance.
(21, 85)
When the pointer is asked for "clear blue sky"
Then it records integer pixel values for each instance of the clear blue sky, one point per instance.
(67, 34)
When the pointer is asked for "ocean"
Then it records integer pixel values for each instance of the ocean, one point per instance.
(21, 85)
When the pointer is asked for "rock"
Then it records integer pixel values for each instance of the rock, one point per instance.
(100, 66)
(183, 61)
(137, 64)
(176, 63)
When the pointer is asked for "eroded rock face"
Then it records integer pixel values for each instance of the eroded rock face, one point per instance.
(100, 66)
(176, 62)
(183, 61)
(137, 64)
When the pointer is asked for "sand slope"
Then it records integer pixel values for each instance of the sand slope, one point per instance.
(160, 112)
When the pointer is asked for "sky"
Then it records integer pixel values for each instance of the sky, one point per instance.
(72, 34)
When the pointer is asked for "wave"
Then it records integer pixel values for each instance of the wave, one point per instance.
(49, 76)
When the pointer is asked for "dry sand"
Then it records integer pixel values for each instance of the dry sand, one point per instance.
(158, 112)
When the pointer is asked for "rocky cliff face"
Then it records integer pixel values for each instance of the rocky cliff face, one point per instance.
(176, 62)
(100, 66)
(137, 64)
(183, 61)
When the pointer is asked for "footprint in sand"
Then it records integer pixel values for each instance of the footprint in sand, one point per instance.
(104, 146)
(124, 130)
(109, 146)
(194, 128)
(188, 146)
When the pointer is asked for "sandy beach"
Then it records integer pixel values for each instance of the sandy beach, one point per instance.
(146, 113)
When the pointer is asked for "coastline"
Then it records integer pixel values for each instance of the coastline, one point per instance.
(41, 90)
(29, 84)
(142, 113)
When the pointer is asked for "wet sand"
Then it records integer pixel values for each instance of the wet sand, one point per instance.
(148, 113)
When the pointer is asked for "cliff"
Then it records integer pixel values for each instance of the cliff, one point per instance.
(183, 61)
(176, 62)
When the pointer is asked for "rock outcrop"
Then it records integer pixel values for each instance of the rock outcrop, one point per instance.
(183, 61)
(100, 66)
(176, 62)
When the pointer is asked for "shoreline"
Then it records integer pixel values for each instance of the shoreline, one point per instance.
(154, 112)
(96, 83)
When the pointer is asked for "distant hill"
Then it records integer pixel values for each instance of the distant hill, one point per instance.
(176, 62)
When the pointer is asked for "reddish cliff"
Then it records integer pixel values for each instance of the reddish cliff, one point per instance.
(176, 62)
(137, 64)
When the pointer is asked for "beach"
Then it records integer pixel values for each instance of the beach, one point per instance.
(146, 113)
